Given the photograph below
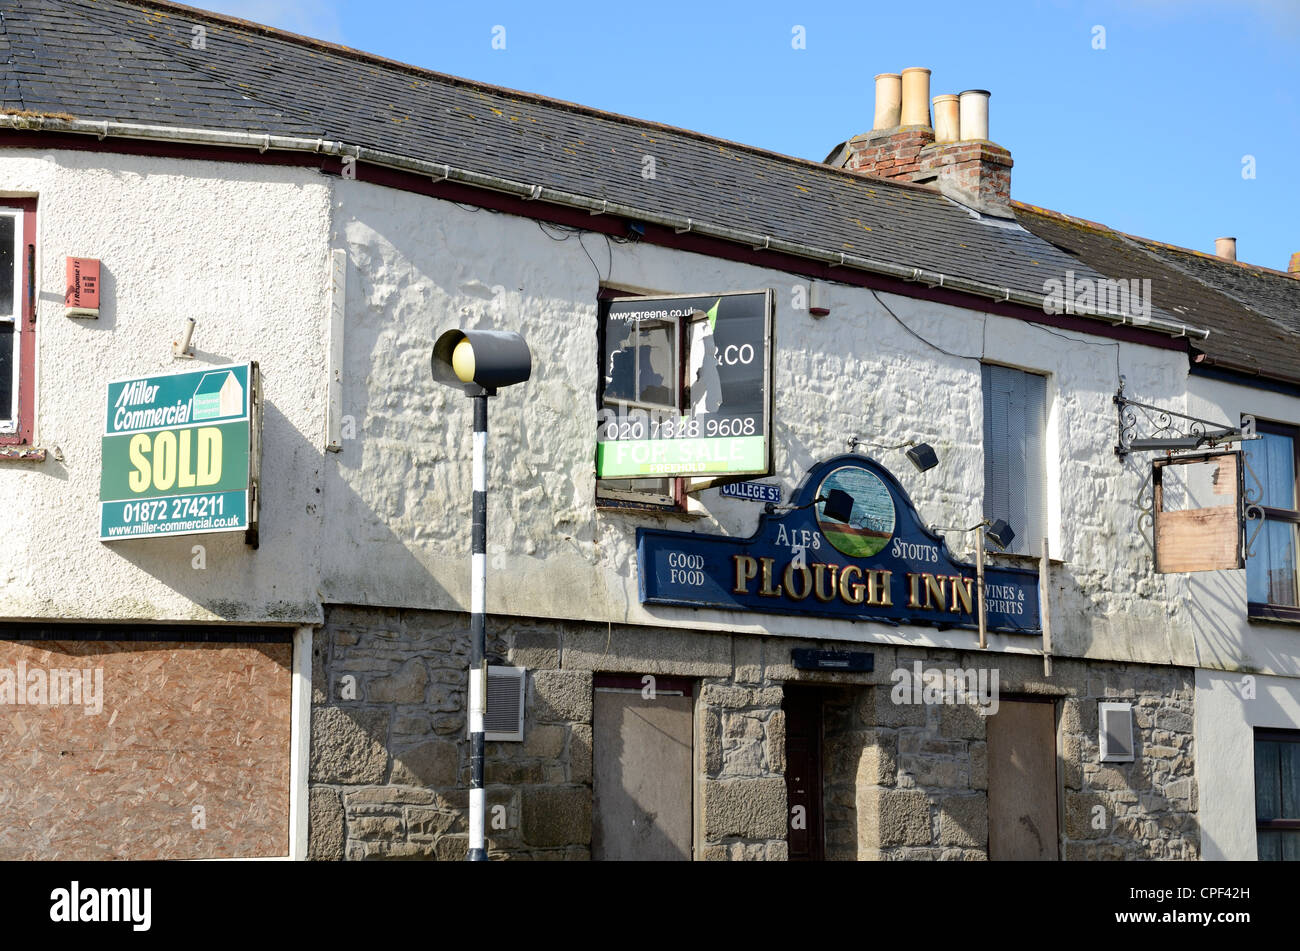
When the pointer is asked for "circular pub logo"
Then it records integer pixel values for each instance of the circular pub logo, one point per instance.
(855, 511)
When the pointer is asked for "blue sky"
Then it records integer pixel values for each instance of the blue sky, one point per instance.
(1149, 134)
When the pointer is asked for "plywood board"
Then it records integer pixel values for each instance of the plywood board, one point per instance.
(182, 725)
(642, 763)
(1203, 538)
(1022, 782)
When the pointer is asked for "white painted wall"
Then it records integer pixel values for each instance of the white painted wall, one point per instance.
(245, 249)
(1226, 719)
(399, 493)
(1231, 648)
(241, 248)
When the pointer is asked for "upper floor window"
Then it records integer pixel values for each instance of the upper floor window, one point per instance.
(1015, 432)
(684, 401)
(17, 356)
(641, 368)
(1277, 794)
(1270, 482)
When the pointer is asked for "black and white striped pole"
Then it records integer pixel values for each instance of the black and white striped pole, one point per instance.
(479, 362)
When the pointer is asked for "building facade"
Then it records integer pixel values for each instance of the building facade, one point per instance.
(305, 695)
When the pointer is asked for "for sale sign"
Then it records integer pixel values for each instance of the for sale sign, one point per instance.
(685, 386)
(179, 454)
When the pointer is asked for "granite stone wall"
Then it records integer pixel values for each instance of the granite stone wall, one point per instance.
(910, 781)
(390, 759)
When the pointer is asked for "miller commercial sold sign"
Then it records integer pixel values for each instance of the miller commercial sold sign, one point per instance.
(178, 453)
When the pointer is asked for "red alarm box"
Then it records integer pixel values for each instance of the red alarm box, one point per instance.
(82, 296)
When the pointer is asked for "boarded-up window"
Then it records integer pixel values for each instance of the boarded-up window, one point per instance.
(1197, 512)
(144, 749)
(643, 747)
(1015, 434)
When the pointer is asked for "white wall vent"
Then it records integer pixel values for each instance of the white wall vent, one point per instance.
(505, 704)
(1115, 732)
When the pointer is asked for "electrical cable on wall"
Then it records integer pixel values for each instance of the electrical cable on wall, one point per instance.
(568, 232)
(983, 342)
(928, 343)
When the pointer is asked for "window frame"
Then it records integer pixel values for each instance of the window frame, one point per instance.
(608, 497)
(1266, 610)
(1271, 735)
(1032, 543)
(18, 430)
(677, 372)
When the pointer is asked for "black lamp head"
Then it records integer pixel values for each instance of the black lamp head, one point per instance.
(923, 456)
(838, 505)
(1000, 533)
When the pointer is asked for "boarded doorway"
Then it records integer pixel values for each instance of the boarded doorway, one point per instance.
(1023, 782)
(145, 749)
(642, 746)
(803, 774)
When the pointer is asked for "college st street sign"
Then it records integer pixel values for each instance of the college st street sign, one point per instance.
(853, 548)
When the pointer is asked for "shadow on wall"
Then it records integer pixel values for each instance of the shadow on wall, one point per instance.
(412, 275)
(390, 766)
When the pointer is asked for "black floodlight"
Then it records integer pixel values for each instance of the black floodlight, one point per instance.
(481, 360)
(839, 505)
(1000, 533)
(923, 456)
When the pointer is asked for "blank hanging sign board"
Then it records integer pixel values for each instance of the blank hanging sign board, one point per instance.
(1197, 512)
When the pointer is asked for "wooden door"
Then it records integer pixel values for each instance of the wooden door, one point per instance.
(1023, 782)
(642, 745)
(803, 774)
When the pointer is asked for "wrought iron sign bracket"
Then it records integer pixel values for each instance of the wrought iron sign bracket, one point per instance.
(1168, 430)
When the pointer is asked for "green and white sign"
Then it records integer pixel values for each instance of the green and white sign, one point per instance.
(179, 454)
(685, 387)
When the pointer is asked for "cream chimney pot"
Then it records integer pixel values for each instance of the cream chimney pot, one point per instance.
(889, 101)
(916, 96)
(1226, 248)
(974, 116)
(946, 121)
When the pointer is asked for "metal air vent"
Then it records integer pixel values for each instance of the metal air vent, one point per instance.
(1115, 732)
(505, 704)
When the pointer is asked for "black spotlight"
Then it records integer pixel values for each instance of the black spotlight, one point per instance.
(1000, 533)
(839, 505)
(923, 457)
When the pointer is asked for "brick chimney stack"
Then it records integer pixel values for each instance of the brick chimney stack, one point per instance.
(892, 149)
(955, 155)
(1294, 267)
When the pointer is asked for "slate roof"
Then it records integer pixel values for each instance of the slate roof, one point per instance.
(134, 62)
(1274, 294)
(1251, 312)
